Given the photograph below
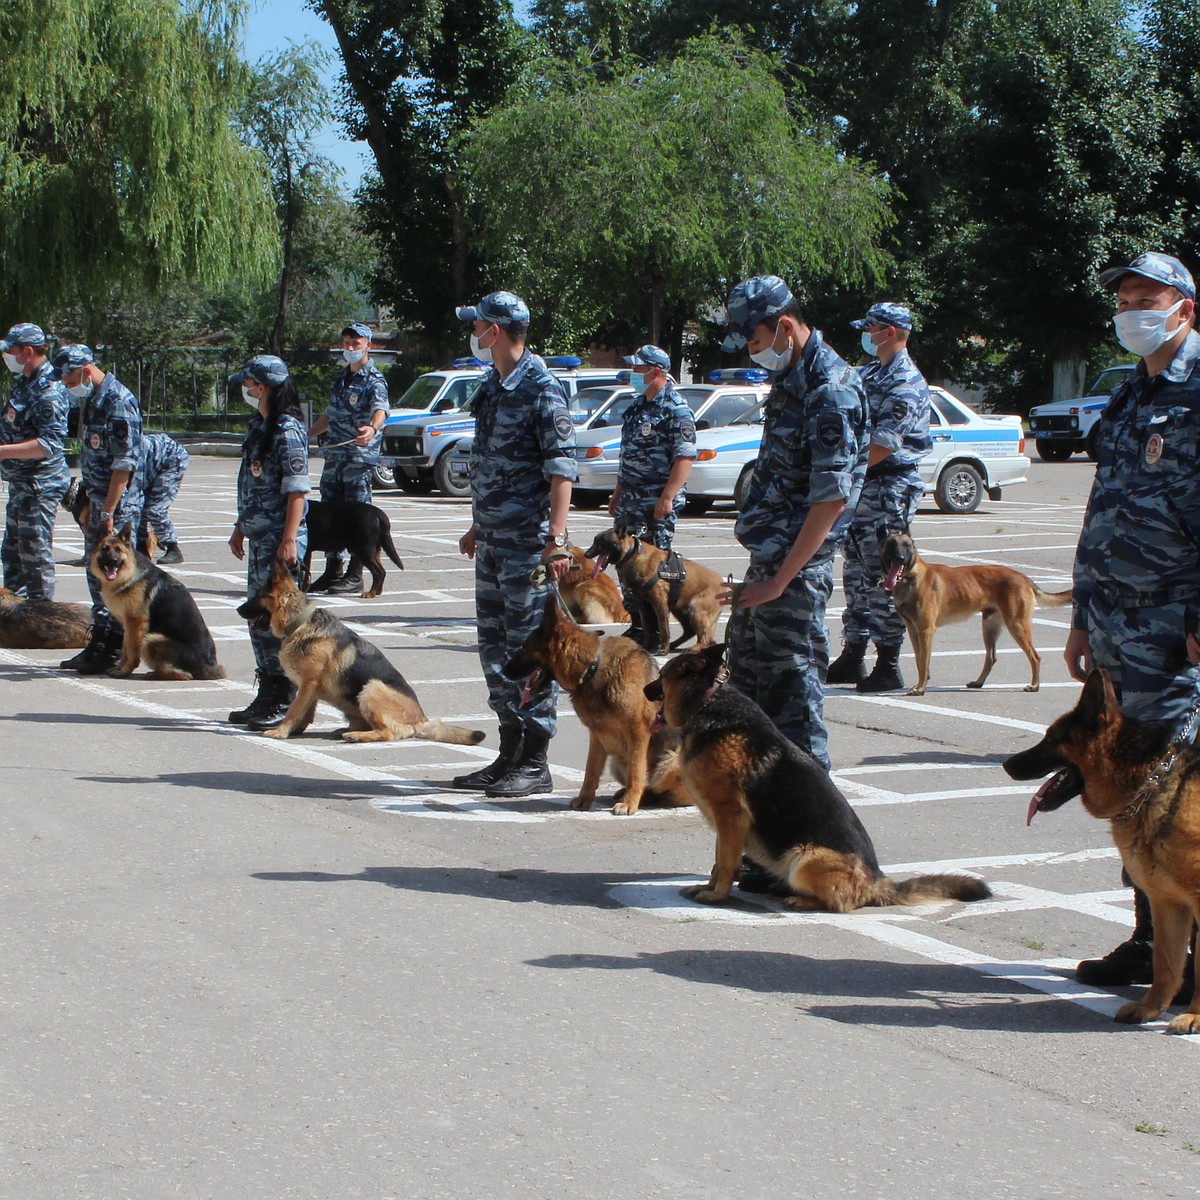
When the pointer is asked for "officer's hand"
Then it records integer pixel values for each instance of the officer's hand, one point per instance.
(1193, 650)
(1078, 655)
(287, 553)
(761, 591)
(612, 505)
(466, 543)
(237, 543)
(556, 568)
(664, 507)
(365, 435)
(105, 528)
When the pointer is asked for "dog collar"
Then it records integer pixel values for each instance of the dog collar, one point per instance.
(722, 678)
(302, 618)
(637, 545)
(589, 671)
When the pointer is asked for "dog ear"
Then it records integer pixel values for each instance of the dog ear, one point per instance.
(126, 534)
(713, 655)
(1098, 702)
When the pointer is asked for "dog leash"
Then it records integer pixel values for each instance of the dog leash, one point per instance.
(1164, 767)
(539, 578)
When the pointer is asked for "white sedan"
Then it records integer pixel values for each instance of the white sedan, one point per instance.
(972, 455)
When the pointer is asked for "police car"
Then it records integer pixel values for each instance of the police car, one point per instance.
(416, 450)
(1066, 426)
(715, 404)
(973, 455)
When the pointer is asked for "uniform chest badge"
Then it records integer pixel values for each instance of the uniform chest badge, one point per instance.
(647, 429)
(1154, 448)
(11, 416)
(95, 441)
(256, 468)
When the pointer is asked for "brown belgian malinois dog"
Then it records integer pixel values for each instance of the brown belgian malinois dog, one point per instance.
(928, 596)
(591, 597)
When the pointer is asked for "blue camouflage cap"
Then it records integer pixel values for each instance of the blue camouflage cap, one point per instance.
(72, 357)
(885, 313)
(23, 335)
(1162, 268)
(357, 330)
(497, 308)
(650, 356)
(750, 304)
(263, 368)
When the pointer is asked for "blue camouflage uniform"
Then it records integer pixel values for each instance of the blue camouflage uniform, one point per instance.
(523, 436)
(353, 400)
(814, 449)
(899, 402)
(36, 409)
(1137, 566)
(164, 462)
(264, 483)
(654, 433)
(110, 431)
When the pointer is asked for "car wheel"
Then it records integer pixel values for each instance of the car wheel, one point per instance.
(1053, 451)
(420, 486)
(382, 477)
(1092, 446)
(585, 498)
(697, 506)
(742, 488)
(959, 489)
(448, 482)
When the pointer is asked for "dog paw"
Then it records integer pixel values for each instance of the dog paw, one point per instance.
(582, 803)
(974, 684)
(1134, 1013)
(119, 672)
(1032, 687)
(1188, 1022)
(623, 808)
(918, 691)
(703, 894)
(278, 733)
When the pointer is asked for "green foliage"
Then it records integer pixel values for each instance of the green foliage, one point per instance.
(118, 163)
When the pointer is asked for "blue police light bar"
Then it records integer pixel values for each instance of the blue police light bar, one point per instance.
(624, 376)
(464, 364)
(564, 362)
(739, 375)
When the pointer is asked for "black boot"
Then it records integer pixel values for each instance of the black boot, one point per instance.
(103, 650)
(278, 692)
(1131, 961)
(86, 654)
(530, 773)
(173, 555)
(334, 570)
(848, 667)
(885, 675)
(267, 688)
(349, 583)
(510, 751)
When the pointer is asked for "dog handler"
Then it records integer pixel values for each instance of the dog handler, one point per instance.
(164, 462)
(272, 489)
(110, 429)
(522, 467)
(1137, 566)
(806, 483)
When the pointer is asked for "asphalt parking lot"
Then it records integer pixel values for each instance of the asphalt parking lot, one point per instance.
(237, 967)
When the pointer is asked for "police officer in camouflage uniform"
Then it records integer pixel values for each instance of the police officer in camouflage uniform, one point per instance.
(358, 407)
(899, 401)
(806, 483)
(522, 467)
(1136, 594)
(110, 434)
(33, 428)
(164, 462)
(272, 489)
(658, 446)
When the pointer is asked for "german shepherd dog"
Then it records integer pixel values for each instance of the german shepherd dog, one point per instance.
(929, 596)
(327, 661)
(1117, 767)
(638, 565)
(768, 800)
(606, 679)
(591, 597)
(363, 529)
(42, 624)
(159, 618)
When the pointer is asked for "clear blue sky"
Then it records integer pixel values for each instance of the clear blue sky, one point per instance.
(270, 26)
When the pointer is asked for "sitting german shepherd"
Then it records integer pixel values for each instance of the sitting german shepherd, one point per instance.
(157, 614)
(770, 801)
(606, 679)
(591, 597)
(928, 596)
(42, 624)
(1115, 765)
(363, 529)
(639, 565)
(327, 661)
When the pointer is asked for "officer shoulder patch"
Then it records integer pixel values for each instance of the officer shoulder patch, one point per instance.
(563, 425)
(830, 430)
(296, 464)
(899, 410)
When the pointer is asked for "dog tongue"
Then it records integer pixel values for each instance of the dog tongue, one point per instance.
(601, 560)
(1036, 799)
(892, 577)
(531, 685)
(658, 723)
(110, 573)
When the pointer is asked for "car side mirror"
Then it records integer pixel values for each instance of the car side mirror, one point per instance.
(703, 425)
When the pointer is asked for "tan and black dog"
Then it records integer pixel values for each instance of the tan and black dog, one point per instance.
(606, 679)
(771, 802)
(591, 597)
(157, 614)
(363, 529)
(328, 661)
(42, 624)
(77, 503)
(693, 601)
(928, 595)
(1119, 768)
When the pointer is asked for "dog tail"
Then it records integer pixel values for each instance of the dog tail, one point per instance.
(925, 889)
(1051, 599)
(665, 785)
(436, 730)
(385, 539)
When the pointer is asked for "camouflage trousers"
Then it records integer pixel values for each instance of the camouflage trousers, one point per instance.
(635, 513)
(887, 505)
(28, 549)
(160, 495)
(126, 514)
(507, 610)
(260, 554)
(345, 479)
(780, 654)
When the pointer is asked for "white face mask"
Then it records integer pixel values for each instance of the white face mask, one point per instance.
(483, 353)
(11, 363)
(249, 397)
(1142, 331)
(869, 346)
(353, 356)
(81, 391)
(772, 359)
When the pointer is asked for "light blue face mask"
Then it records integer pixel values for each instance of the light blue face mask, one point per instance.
(638, 382)
(772, 359)
(869, 346)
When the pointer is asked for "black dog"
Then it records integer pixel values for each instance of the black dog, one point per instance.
(362, 529)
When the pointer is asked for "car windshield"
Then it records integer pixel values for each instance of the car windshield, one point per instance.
(588, 401)
(694, 397)
(752, 416)
(421, 392)
(1108, 381)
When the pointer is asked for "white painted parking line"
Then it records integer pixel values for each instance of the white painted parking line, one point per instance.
(916, 706)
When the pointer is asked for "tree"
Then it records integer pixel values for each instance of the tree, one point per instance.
(118, 162)
(646, 191)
